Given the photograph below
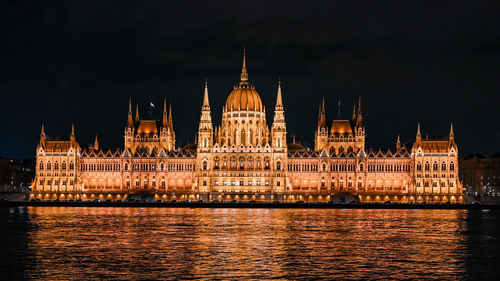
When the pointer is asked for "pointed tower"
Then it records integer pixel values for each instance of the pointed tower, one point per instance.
(353, 113)
(72, 137)
(164, 121)
(96, 143)
(278, 128)
(137, 119)
(130, 121)
(43, 138)
(359, 117)
(452, 135)
(279, 145)
(419, 135)
(321, 134)
(244, 73)
(398, 144)
(171, 133)
(205, 128)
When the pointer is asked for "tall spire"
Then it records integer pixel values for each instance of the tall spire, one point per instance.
(244, 73)
(452, 135)
(359, 118)
(130, 121)
(42, 134)
(96, 143)
(42, 137)
(398, 144)
(137, 113)
(353, 112)
(419, 136)
(164, 122)
(359, 106)
(205, 95)
(72, 135)
(279, 102)
(170, 122)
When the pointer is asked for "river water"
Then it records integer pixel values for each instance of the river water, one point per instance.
(88, 243)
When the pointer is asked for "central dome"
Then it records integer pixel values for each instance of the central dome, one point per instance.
(244, 96)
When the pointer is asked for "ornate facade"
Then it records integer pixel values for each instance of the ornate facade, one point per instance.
(245, 159)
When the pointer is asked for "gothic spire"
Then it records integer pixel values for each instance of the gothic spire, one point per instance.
(398, 144)
(164, 122)
(419, 136)
(353, 112)
(96, 143)
(170, 123)
(205, 95)
(244, 73)
(137, 113)
(279, 102)
(452, 135)
(130, 121)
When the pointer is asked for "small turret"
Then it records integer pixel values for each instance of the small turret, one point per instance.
(72, 135)
(419, 135)
(398, 144)
(96, 144)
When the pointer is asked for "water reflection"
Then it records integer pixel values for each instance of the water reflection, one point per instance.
(244, 244)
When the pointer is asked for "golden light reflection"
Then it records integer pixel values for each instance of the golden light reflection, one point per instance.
(165, 243)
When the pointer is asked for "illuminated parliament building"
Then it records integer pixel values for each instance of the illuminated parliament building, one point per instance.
(245, 158)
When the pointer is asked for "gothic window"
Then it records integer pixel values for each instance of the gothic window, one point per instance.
(56, 166)
(361, 167)
(427, 166)
(205, 165)
(435, 166)
(278, 166)
(48, 166)
(242, 162)
(162, 166)
(443, 166)
(452, 166)
(41, 166)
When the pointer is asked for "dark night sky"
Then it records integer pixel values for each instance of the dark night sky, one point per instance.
(79, 62)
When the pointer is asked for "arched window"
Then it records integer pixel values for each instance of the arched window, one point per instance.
(205, 165)
(435, 166)
(419, 166)
(49, 166)
(41, 166)
(126, 167)
(162, 166)
(278, 166)
(323, 167)
(361, 167)
(452, 166)
(443, 166)
(427, 166)
(56, 166)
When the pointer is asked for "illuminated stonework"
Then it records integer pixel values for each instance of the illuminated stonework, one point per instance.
(242, 159)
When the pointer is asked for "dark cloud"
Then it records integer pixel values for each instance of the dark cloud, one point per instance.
(80, 61)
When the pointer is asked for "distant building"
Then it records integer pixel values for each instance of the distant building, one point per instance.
(480, 175)
(245, 158)
(16, 175)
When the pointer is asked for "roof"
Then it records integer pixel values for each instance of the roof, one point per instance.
(341, 127)
(58, 146)
(435, 145)
(147, 127)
